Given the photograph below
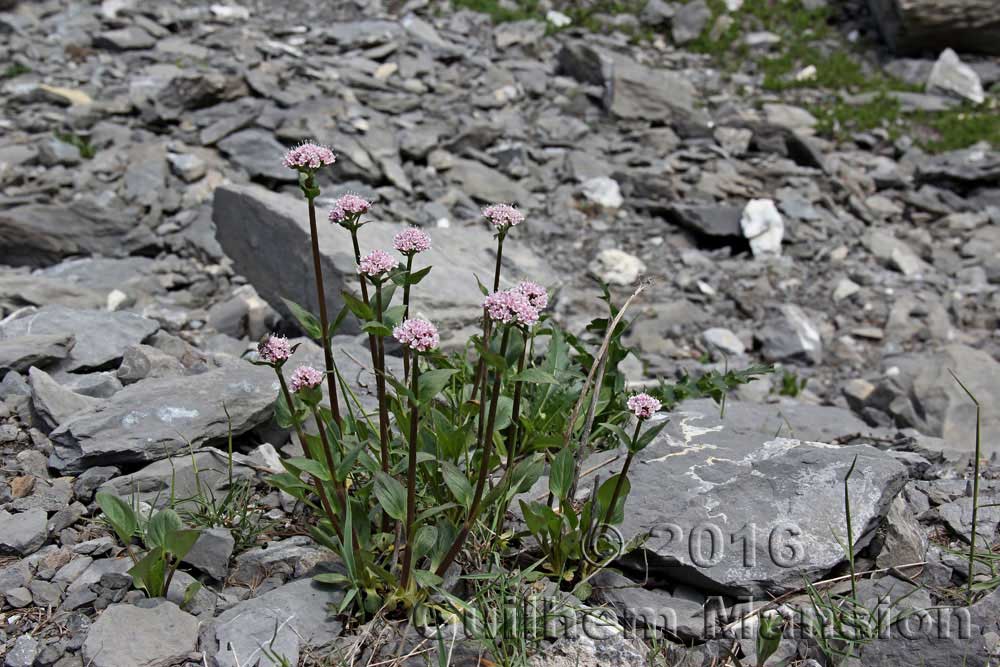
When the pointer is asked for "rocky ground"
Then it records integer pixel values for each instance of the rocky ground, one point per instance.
(148, 233)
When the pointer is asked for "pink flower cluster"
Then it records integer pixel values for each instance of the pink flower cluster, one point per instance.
(411, 241)
(537, 296)
(376, 263)
(510, 306)
(416, 334)
(274, 349)
(308, 157)
(503, 216)
(305, 377)
(643, 406)
(348, 206)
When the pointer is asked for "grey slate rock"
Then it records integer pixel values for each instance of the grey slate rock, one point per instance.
(52, 402)
(789, 335)
(965, 168)
(717, 222)
(211, 552)
(259, 153)
(22, 653)
(23, 533)
(124, 39)
(689, 21)
(18, 354)
(790, 495)
(300, 611)
(138, 636)
(635, 91)
(100, 336)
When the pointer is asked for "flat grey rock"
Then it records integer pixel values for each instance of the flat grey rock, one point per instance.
(19, 354)
(23, 533)
(54, 403)
(101, 336)
(635, 91)
(287, 620)
(734, 506)
(138, 636)
(259, 153)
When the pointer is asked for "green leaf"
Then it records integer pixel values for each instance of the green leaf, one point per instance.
(427, 578)
(150, 573)
(376, 328)
(314, 468)
(604, 499)
(424, 542)
(561, 473)
(624, 438)
(358, 307)
(179, 542)
(535, 376)
(332, 578)
(432, 382)
(650, 434)
(307, 321)
(416, 276)
(526, 473)
(163, 523)
(284, 415)
(393, 315)
(190, 592)
(120, 515)
(457, 483)
(391, 495)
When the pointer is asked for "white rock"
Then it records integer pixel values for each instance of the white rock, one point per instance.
(603, 191)
(950, 75)
(763, 226)
(230, 12)
(845, 288)
(786, 115)
(807, 73)
(116, 299)
(617, 267)
(723, 340)
(733, 5)
(558, 19)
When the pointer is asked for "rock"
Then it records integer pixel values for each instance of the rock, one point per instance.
(486, 184)
(790, 335)
(100, 336)
(680, 615)
(286, 620)
(920, 25)
(558, 19)
(610, 648)
(957, 515)
(894, 253)
(39, 235)
(718, 223)
(905, 541)
(657, 12)
(583, 63)
(291, 558)
(966, 168)
(763, 226)
(512, 33)
(936, 405)
(249, 218)
(124, 39)
(689, 21)
(18, 354)
(23, 533)
(140, 362)
(259, 154)
(138, 636)
(603, 191)
(22, 653)
(784, 115)
(724, 341)
(53, 403)
(953, 77)
(187, 166)
(754, 546)
(635, 91)
(617, 267)
(211, 552)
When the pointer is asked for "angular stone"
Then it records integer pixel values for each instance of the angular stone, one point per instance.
(259, 153)
(617, 267)
(789, 335)
(914, 26)
(639, 92)
(763, 226)
(22, 653)
(125, 39)
(723, 340)
(485, 183)
(18, 354)
(291, 558)
(285, 620)
(138, 636)
(54, 403)
(211, 552)
(143, 361)
(689, 21)
(23, 533)
(251, 218)
(39, 235)
(100, 336)
(790, 494)
(953, 77)
(965, 168)
(905, 541)
(717, 222)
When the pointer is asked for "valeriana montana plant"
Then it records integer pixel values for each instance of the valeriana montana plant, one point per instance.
(424, 484)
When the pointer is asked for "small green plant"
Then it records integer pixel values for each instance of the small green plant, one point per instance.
(768, 636)
(163, 536)
(14, 70)
(81, 143)
(791, 384)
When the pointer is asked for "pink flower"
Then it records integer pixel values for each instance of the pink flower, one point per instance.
(348, 206)
(510, 306)
(274, 349)
(305, 377)
(537, 296)
(411, 241)
(376, 263)
(643, 405)
(503, 216)
(419, 335)
(308, 157)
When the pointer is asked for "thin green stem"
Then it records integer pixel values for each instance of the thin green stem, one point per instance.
(323, 319)
(383, 406)
(406, 314)
(411, 477)
(485, 444)
(850, 530)
(620, 482)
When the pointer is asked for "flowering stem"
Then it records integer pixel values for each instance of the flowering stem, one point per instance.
(406, 314)
(372, 347)
(317, 483)
(620, 482)
(515, 434)
(383, 407)
(496, 271)
(323, 320)
(411, 476)
(480, 377)
(328, 454)
(485, 443)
